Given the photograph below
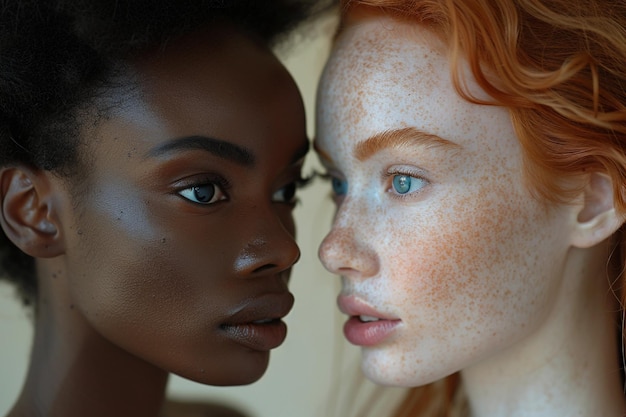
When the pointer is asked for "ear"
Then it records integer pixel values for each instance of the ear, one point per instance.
(597, 219)
(28, 211)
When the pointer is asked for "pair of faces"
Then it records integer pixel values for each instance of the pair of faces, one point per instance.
(445, 256)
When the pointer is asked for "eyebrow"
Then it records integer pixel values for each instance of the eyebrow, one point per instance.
(217, 147)
(400, 139)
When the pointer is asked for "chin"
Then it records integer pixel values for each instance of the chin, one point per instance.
(245, 370)
(384, 369)
(401, 378)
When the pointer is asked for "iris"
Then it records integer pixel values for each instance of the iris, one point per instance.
(340, 187)
(402, 183)
(204, 193)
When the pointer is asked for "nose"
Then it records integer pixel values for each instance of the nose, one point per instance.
(270, 245)
(345, 252)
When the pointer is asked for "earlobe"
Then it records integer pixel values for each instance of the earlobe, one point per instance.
(597, 219)
(27, 212)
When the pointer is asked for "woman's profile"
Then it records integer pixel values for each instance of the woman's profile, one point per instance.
(477, 151)
(150, 152)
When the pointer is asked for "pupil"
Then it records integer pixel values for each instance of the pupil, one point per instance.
(204, 193)
(402, 183)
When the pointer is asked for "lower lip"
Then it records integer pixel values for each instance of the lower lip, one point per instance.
(368, 333)
(262, 337)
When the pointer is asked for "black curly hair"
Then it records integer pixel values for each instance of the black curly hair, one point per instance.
(55, 55)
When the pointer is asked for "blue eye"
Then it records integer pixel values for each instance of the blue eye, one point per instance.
(203, 194)
(404, 184)
(340, 187)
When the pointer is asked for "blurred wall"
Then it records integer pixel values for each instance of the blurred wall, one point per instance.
(301, 372)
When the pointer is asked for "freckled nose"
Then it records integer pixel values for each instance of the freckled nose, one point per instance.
(342, 254)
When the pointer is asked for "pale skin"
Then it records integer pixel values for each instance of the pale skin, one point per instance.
(470, 270)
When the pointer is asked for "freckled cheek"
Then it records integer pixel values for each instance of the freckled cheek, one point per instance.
(455, 259)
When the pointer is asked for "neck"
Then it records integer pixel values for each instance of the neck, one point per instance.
(76, 372)
(568, 367)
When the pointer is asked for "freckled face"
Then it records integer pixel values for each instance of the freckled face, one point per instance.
(437, 234)
(180, 247)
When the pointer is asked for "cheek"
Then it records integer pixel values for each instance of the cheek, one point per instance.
(132, 263)
(158, 292)
(136, 281)
(476, 257)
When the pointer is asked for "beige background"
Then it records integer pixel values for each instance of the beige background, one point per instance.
(302, 372)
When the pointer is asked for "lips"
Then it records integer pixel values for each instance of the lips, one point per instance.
(257, 323)
(366, 326)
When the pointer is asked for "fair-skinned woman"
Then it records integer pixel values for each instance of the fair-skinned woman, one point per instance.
(478, 157)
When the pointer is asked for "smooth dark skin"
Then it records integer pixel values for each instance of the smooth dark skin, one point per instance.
(136, 280)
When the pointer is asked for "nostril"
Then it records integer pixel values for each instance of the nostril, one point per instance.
(263, 268)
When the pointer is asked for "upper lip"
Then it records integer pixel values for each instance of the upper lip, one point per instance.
(356, 306)
(269, 306)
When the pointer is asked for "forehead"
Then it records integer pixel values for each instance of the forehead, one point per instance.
(389, 74)
(220, 84)
(378, 58)
(223, 71)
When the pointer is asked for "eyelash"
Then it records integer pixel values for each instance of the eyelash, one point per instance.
(224, 185)
(299, 183)
(203, 179)
(305, 181)
(387, 179)
(327, 177)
